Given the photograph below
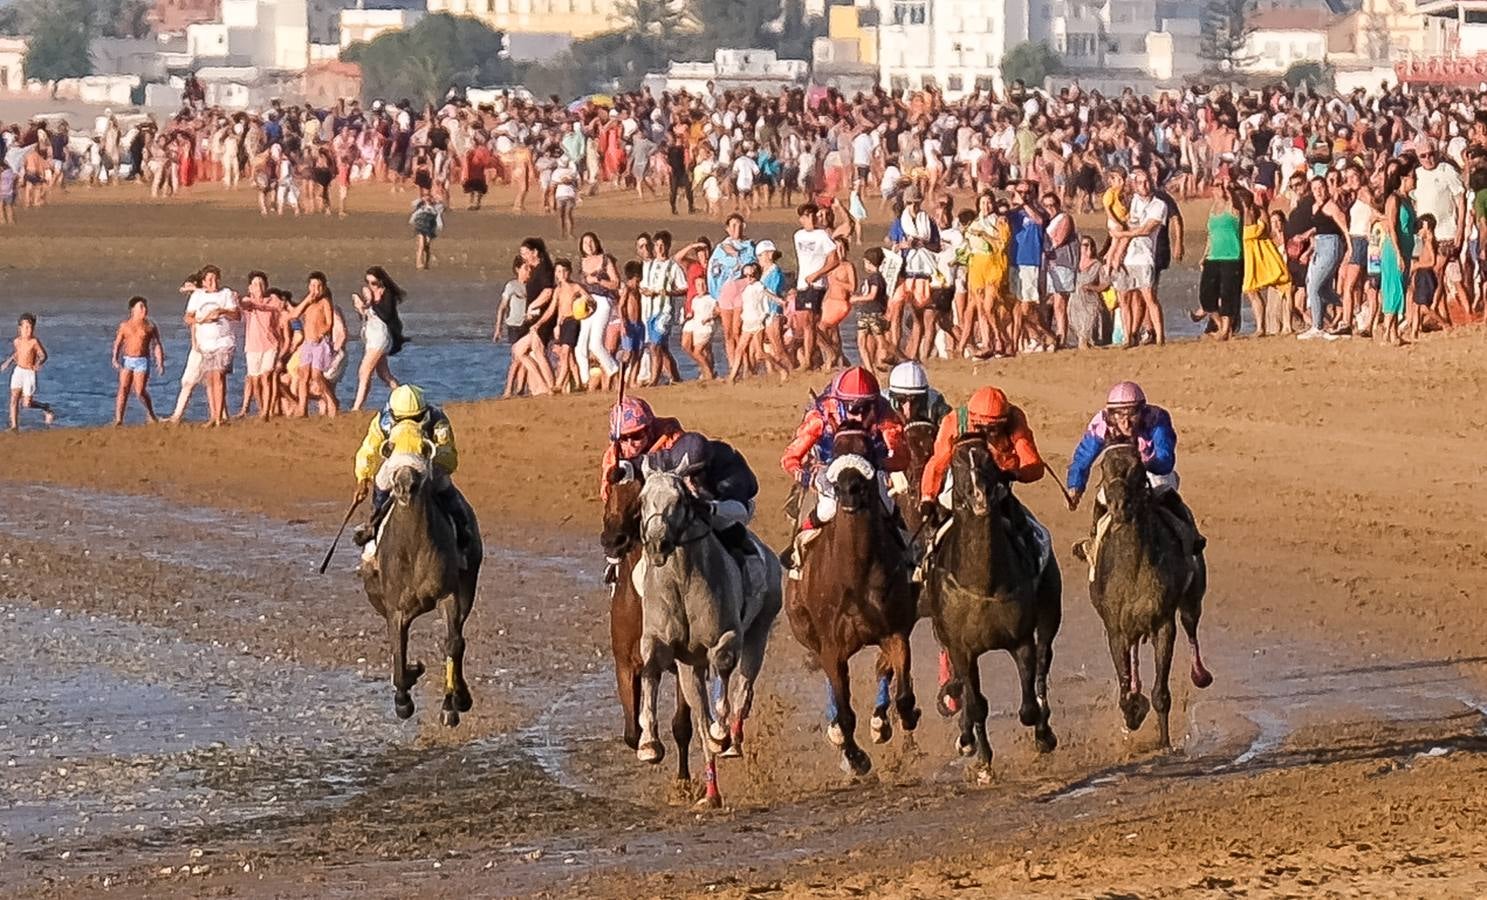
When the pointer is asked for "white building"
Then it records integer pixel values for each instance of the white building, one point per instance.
(366, 25)
(1284, 37)
(955, 45)
(269, 34)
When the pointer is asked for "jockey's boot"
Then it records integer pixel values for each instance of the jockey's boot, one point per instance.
(794, 556)
(735, 539)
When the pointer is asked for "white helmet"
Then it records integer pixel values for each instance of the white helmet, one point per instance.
(908, 378)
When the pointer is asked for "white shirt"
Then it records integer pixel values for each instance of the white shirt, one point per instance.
(1436, 192)
(212, 336)
(1142, 250)
(812, 247)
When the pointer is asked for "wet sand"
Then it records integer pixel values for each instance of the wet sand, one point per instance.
(171, 650)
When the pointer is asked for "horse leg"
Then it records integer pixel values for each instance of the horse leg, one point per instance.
(1043, 736)
(843, 721)
(1130, 699)
(1161, 691)
(741, 686)
(1190, 613)
(655, 658)
(976, 712)
(456, 692)
(692, 685)
(404, 676)
(681, 733)
(879, 728)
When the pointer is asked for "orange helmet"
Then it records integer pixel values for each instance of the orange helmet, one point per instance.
(988, 406)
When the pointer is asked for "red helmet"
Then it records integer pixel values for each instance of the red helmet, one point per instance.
(1127, 394)
(988, 405)
(854, 385)
(630, 416)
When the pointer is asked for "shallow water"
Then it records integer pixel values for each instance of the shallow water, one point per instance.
(450, 353)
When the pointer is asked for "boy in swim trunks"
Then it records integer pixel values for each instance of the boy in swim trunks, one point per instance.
(135, 341)
(29, 356)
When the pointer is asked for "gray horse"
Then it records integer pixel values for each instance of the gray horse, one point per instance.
(418, 567)
(1144, 573)
(699, 615)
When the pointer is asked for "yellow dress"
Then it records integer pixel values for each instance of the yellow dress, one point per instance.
(1263, 265)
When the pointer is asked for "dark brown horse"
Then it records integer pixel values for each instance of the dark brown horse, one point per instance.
(920, 436)
(1144, 575)
(621, 540)
(854, 591)
(985, 592)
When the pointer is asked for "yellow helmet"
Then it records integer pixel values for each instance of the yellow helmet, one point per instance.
(407, 402)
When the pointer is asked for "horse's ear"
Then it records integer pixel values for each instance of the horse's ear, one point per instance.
(386, 449)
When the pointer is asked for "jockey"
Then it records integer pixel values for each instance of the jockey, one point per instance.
(1004, 429)
(407, 404)
(853, 401)
(1128, 418)
(634, 431)
(720, 476)
(911, 396)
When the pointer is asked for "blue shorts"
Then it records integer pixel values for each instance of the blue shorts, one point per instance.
(657, 327)
(137, 363)
(633, 337)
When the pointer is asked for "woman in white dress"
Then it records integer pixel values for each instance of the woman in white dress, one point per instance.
(381, 331)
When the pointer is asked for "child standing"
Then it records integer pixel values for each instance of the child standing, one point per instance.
(135, 341)
(427, 221)
(28, 358)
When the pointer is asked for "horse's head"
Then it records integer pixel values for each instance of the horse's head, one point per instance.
(1124, 481)
(622, 515)
(408, 457)
(851, 473)
(977, 484)
(667, 510)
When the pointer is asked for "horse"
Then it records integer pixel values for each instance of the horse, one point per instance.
(984, 593)
(418, 566)
(1144, 574)
(919, 435)
(621, 540)
(700, 614)
(854, 591)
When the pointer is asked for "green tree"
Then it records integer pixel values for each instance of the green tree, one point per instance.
(1308, 74)
(60, 33)
(1227, 28)
(423, 62)
(738, 24)
(1031, 63)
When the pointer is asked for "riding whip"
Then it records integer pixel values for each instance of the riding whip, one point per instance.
(355, 502)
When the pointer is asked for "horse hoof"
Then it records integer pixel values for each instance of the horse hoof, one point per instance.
(450, 717)
(855, 762)
(834, 735)
(403, 708)
(1046, 742)
(909, 719)
(1202, 678)
(651, 753)
(881, 730)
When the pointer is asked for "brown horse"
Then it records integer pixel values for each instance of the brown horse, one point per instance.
(986, 593)
(1144, 575)
(621, 540)
(854, 591)
(920, 436)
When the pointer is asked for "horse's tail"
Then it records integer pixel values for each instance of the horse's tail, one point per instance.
(723, 657)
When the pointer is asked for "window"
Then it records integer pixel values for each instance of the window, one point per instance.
(910, 12)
